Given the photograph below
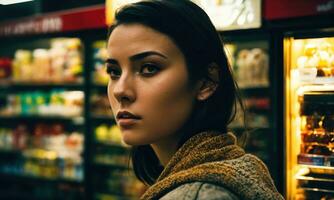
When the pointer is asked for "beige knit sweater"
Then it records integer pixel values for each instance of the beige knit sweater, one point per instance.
(215, 158)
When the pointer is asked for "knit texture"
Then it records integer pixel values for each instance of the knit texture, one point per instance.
(215, 158)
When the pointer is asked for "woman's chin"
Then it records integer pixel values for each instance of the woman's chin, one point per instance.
(129, 142)
(130, 139)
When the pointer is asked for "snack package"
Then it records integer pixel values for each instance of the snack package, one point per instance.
(315, 60)
(66, 59)
(5, 68)
(99, 56)
(252, 68)
(22, 65)
(74, 64)
(41, 65)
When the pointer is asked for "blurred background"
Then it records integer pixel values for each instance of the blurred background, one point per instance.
(59, 139)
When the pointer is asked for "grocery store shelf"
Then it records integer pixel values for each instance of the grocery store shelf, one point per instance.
(9, 152)
(38, 180)
(41, 118)
(316, 162)
(111, 165)
(264, 111)
(100, 86)
(111, 144)
(316, 190)
(255, 91)
(108, 194)
(251, 128)
(310, 178)
(103, 119)
(41, 86)
(318, 167)
(100, 89)
(4, 84)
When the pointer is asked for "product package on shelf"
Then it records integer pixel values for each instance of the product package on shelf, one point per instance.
(5, 69)
(317, 129)
(257, 126)
(61, 63)
(109, 134)
(250, 64)
(100, 77)
(46, 150)
(255, 114)
(100, 105)
(115, 180)
(315, 60)
(56, 102)
(120, 185)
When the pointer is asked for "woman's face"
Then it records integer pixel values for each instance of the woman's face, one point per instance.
(149, 90)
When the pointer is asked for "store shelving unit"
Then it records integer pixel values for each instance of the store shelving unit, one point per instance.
(105, 164)
(261, 100)
(15, 184)
(77, 121)
(265, 139)
(39, 180)
(255, 91)
(44, 86)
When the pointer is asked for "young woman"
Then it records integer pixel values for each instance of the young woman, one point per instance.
(173, 95)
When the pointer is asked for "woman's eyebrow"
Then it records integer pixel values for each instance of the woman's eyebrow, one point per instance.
(137, 57)
(142, 55)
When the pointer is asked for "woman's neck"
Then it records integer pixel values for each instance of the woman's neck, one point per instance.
(165, 150)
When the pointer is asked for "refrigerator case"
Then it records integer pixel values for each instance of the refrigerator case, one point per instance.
(309, 117)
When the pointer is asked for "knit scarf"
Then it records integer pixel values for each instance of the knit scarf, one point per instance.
(215, 158)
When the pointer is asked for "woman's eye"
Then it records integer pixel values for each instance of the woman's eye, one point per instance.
(113, 72)
(149, 69)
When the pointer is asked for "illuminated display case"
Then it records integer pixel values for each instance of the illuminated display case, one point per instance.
(309, 117)
(233, 15)
(225, 15)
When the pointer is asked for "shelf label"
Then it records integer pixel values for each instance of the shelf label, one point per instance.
(71, 20)
(311, 160)
(316, 160)
(44, 25)
(296, 8)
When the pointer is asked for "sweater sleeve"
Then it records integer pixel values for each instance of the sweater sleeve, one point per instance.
(200, 191)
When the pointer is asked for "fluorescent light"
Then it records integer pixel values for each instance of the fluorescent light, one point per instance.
(8, 2)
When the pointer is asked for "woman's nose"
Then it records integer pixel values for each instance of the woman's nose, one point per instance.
(124, 89)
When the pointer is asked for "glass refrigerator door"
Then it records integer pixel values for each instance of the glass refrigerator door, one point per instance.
(309, 118)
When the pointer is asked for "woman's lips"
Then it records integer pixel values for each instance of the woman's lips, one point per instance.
(127, 122)
(126, 119)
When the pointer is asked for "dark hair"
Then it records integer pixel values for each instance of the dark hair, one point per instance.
(190, 28)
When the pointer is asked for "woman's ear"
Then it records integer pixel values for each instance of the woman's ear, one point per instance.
(208, 85)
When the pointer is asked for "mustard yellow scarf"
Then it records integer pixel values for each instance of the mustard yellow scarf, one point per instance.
(215, 158)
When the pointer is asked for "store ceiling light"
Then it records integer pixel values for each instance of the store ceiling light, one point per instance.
(8, 2)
